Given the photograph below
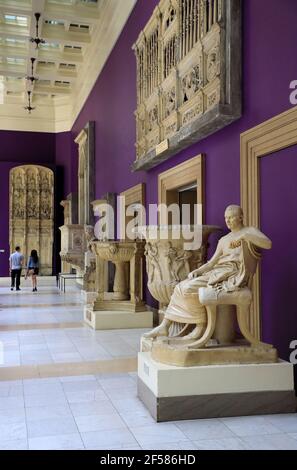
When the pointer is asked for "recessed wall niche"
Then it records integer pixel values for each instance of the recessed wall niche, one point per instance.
(188, 76)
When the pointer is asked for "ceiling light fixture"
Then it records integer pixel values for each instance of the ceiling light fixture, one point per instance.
(31, 77)
(37, 39)
(29, 107)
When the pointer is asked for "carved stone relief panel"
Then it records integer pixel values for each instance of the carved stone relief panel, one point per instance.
(188, 75)
(31, 212)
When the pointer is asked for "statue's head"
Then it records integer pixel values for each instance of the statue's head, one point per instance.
(234, 217)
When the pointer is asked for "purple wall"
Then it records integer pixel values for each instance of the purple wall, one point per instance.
(5, 168)
(63, 160)
(19, 148)
(27, 147)
(279, 222)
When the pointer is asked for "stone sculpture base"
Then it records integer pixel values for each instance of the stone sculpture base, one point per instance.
(88, 297)
(118, 306)
(238, 353)
(116, 320)
(176, 393)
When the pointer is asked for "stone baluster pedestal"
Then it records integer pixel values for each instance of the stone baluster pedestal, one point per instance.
(124, 307)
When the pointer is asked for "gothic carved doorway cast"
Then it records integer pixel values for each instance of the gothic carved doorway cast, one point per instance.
(31, 213)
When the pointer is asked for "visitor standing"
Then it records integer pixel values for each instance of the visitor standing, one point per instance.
(33, 268)
(16, 261)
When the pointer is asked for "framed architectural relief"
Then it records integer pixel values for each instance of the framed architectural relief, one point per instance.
(31, 213)
(188, 76)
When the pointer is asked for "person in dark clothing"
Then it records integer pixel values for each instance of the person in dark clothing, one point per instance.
(16, 261)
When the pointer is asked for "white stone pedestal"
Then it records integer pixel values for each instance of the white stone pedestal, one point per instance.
(113, 320)
(175, 393)
(88, 297)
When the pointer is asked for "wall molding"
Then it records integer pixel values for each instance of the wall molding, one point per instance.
(265, 139)
(134, 195)
(191, 171)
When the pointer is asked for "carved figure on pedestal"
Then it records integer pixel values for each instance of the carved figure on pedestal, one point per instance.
(152, 118)
(191, 83)
(45, 206)
(32, 206)
(226, 276)
(170, 102)
(213, 65)
(177, 260)
(152, 262)
(89, 276)
(90, 236)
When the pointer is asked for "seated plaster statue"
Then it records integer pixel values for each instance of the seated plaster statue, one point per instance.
(230, 270)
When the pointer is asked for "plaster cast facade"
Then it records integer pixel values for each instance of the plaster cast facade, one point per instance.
(31, 213)
(187, 57)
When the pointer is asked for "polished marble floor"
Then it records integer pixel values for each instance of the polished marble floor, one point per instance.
(65, 386)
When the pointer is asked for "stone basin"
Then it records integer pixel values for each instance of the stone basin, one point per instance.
(115, 251)
(120, 253)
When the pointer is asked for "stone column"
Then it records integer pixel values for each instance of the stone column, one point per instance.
(120, 285)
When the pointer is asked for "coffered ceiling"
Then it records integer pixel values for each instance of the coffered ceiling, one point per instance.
(78, 38)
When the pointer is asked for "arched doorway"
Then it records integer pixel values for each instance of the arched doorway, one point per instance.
(31, 213)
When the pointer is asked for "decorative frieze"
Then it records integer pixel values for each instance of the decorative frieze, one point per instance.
(188, 75)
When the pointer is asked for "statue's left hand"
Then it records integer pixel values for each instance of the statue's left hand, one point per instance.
(194, 274)
(235, 243)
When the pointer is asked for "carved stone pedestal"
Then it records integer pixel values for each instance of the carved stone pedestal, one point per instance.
(88, 292)
(240, 352)
(175, 393)
(124, 307)
(117, 320)
(73, 246)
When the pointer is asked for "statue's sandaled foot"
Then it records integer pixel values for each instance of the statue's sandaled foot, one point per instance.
(161, 330)
(196, 333)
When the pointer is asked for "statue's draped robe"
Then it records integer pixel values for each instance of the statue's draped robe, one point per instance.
(228, 270)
